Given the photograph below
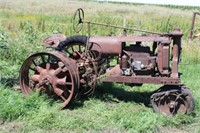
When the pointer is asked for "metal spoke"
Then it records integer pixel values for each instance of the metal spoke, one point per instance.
(48, 66)
(58, 91)
(35, 78)
(72, 48)
(68, 52)
(34, 63)
(77, 24)
(32, 69)
(64, 69)
(63, 98)
(79, 15)
(61, 64)
(79, 47)
(43, 60)
(39, 69)
(48, 58)
(69, 91)
(57, 71)
(68, 83)
(61, 81)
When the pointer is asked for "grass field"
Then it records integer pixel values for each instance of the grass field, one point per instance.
(114, 107)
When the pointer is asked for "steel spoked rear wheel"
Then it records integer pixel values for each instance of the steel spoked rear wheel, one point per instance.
(51, 73)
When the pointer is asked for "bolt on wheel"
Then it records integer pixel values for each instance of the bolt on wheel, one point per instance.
(51, 73)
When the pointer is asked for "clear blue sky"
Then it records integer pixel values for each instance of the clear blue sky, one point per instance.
(167, 2)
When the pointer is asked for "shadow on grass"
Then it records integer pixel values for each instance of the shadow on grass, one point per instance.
(109, 93)
(9, 81)
(106, 90)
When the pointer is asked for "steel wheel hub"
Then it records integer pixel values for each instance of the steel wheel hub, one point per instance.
(51, 73)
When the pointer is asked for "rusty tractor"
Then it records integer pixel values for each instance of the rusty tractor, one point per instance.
(71, 70)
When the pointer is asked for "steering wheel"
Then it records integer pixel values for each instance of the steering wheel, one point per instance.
(78, 20)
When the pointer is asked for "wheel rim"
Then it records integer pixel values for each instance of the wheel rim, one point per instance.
(77, 52)
(171, 105)
(51, 73)
(177, 100)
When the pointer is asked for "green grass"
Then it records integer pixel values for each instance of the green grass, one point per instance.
(107, 111)
(114, 107)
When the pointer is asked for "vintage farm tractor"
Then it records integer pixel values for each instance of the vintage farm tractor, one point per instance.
(72, 68)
